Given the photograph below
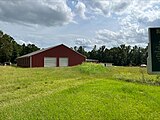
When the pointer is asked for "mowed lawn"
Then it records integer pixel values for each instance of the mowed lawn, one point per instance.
(85, 92)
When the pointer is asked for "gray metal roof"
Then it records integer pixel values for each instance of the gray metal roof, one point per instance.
(91, 60)
(33, 53)
(42, 50)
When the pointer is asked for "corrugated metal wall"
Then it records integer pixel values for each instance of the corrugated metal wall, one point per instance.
(58, 52)
(23, 62)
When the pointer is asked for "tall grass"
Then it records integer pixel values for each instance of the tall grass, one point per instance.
(134, 74)
(85, 92)
(92, 68)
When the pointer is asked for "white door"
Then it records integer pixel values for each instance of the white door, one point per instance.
(63, 62)
(50, 62)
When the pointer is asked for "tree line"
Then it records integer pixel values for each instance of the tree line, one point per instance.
(10, 49)
(121, 56)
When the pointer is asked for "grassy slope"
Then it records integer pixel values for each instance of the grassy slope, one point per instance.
(83, 92)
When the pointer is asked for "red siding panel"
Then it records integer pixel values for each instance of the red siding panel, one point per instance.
(59, 51)
(23, 62)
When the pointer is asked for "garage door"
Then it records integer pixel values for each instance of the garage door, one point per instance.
(63, 62)
(50, 62)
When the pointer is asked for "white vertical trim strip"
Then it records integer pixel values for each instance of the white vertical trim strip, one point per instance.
(30, 61)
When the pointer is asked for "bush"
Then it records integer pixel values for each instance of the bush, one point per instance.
(91, 68)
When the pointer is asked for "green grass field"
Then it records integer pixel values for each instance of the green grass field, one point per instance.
(88, 91)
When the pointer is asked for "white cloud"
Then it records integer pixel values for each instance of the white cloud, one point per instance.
(120, 6)
(109, 38)
(115, 21)
(41, 12)
(24, 42)
(82, 42)
(133, 18)
(88, 43)
(143, 9)
(130, 34)
(106, 7)
(101, 7)
(80, 10)
(98, 7)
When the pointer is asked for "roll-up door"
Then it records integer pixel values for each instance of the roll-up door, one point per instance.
(50, 62)
(63, 62)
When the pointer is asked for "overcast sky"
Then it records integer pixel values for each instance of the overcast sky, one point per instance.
(79, 22)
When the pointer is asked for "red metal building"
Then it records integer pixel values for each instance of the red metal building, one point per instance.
(57, 56)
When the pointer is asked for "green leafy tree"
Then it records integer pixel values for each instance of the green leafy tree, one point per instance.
(93, 53)
(101, 54)
(82, 51)
(10, 50)
(6, 48)
(15, 52)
